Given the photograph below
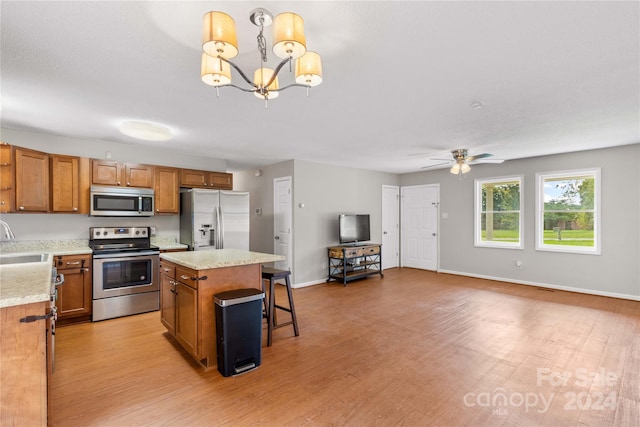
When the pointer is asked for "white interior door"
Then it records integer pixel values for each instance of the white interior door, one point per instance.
(390, 226)
(282, 222)
(419, 205)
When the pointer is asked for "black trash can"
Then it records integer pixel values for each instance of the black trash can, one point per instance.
(238, 330)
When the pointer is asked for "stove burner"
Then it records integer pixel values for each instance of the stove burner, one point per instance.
(110, 240)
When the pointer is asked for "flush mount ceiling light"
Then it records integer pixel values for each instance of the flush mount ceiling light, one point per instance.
(219, 45)
(145, 131)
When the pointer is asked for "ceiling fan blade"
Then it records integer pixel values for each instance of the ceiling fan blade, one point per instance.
(478, 156)
(436, 165)
(496, 161)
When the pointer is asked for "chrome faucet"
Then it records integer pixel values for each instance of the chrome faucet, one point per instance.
(8, 234)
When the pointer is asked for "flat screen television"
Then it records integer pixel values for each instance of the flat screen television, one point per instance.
(354, 228)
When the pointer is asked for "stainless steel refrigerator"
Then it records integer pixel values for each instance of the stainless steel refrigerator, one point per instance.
(214, 219)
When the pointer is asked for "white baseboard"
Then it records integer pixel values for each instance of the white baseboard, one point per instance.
(305, 284)
(546, 285)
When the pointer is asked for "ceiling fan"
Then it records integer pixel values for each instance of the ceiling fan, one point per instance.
(461, 161)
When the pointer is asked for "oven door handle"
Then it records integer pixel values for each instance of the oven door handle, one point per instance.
(126, 254)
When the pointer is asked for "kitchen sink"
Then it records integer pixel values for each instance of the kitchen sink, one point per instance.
(6, 259)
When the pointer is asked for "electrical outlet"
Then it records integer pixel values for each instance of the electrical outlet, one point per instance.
(518, 265)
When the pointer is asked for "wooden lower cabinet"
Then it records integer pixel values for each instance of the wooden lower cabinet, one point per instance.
(75, 295)
(168, 297)
(187, 319)
(23, 357)
(187, 303)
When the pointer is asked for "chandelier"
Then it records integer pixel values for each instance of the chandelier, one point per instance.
(219, 45)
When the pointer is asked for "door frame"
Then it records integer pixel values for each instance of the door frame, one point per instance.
(396, 207)
(289, 254)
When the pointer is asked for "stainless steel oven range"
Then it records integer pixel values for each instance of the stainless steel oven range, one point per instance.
(125, 272)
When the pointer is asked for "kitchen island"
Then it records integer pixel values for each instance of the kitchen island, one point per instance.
(188, 282)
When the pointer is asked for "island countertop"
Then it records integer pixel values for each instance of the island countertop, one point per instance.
(218, 258)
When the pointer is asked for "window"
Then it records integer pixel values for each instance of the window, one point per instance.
(498, 213)
(568, 211)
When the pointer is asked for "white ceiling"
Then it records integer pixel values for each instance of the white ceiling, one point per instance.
(399, 79)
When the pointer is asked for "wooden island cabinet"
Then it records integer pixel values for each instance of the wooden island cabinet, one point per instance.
(188, 282)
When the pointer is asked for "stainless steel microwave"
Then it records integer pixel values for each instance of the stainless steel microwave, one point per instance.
(121, 201)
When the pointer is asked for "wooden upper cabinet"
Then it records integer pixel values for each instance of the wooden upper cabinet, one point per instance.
(105, 172)
(138, 175)
(167, 190)
(221, 180)
(32, 180)
(193, 178)
(109, 172)
(7, 174)
(205, 179)
(65, 183)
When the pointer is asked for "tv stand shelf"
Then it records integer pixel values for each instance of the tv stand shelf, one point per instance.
(351, 262)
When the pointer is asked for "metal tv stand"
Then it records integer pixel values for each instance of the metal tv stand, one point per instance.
(354, 261)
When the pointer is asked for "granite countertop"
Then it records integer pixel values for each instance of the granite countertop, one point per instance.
(218, 258)
(25, 283)
(55, 247)
(31, 282)
(167, 243)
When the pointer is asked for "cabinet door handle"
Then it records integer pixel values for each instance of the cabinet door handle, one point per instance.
(118, 182)
(75, 209)
(128, 184)
(21, 208)
(166, 270)
(73, 263)
(183, 277)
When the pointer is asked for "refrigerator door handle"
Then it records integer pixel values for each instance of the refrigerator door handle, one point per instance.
(216, 233)
(221, 216)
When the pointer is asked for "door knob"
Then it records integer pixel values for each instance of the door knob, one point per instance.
(433, 234)
(276, 237)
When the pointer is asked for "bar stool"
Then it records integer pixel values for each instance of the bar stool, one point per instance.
(272, 274)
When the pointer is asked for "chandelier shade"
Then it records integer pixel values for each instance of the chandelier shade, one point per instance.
(219, 45)
(288, 36)
(215, 72)
(219, 35)
(260, 78)
(309, 69)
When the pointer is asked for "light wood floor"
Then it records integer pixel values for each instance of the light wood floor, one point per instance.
(415, 348)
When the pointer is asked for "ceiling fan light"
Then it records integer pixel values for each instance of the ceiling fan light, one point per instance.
(455, 169)
(219, 35)
(309, 69)
(464, 168)
(288, 36)
(261, 77)
(215, 72)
